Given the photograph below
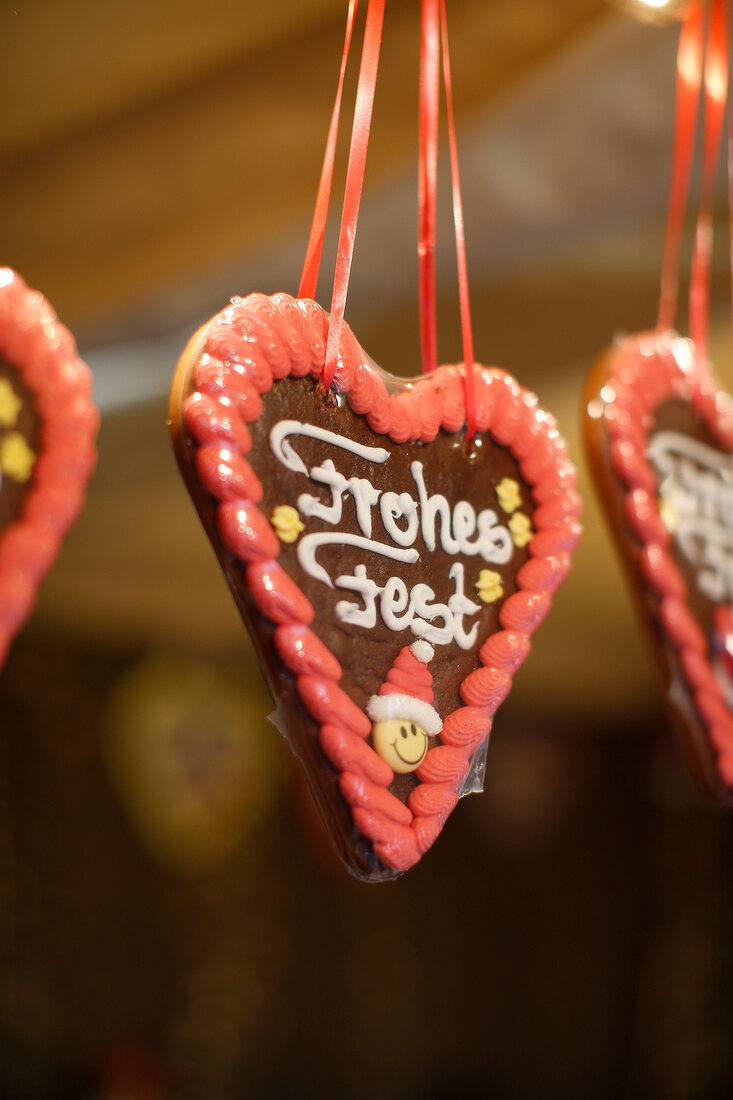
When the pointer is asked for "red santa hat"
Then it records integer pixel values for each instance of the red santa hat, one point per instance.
(408, 690)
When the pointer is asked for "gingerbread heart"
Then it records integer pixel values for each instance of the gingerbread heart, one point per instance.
(660, 436)
(48, 426)
(390, 572)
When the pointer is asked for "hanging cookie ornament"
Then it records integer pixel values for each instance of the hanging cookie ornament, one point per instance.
(659, 434)
(48, 426)
(391, 544)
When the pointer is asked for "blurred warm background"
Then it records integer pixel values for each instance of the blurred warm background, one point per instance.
(171, 920)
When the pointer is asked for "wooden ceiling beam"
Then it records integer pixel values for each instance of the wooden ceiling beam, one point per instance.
(106, 211)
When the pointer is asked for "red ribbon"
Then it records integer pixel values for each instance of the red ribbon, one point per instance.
(311, 267)
(460, 237)
(730, 200)
(713, 75)
(716, 90)
(428, 179)
(434, 36)
(354, 180)
(689, 79)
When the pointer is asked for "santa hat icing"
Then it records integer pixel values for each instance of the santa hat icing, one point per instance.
(408, 690)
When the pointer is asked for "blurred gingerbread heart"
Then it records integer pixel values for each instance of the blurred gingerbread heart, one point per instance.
(659, 432)
(191, 759)
(660, 438)
(48, 426)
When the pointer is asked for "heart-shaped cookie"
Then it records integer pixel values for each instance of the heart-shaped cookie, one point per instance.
(48, 426)
(389, 571)
(660, 437)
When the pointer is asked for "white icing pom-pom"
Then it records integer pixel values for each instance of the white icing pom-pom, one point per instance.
(422, 650)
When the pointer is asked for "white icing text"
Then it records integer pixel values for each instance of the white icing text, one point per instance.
(696, 503)
(400, 517)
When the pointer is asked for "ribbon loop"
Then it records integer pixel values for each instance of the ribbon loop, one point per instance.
(712, 76)
(466, 329)
(687, 98)
(312, 264)
(428, 179)
(715, 82)
(434, 42)
(354, 180)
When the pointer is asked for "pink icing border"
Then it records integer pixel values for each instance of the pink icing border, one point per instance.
(644, 371)
(43, 351)
(258, 340)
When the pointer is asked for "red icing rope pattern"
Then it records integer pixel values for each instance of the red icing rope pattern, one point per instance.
(646, 371)
(43, 351)
(257, 340)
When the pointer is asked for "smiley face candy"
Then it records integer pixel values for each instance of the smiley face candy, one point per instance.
(403, 712)
(403, 745)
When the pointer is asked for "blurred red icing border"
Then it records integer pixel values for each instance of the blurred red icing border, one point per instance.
(34, 343)
(644, 371)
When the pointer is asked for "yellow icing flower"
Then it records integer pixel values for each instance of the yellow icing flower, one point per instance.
(508, 495)
(10, 404)
(287, 522)
(521, 529)
(16, 457)
(489, 586)
(668, 513)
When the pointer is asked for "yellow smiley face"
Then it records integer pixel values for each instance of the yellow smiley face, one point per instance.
(401, 743)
